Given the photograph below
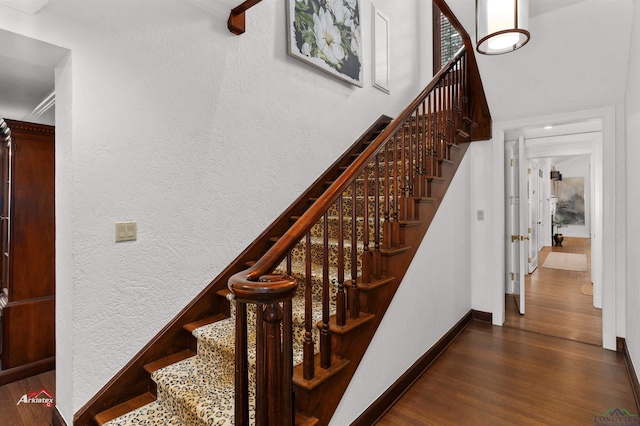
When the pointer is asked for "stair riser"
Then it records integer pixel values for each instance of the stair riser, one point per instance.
(317, 255)
(318, 229)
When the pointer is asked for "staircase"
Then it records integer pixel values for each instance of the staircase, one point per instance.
(276, 338)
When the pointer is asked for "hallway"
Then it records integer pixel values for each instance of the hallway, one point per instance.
(554, 302)
(545, 367)
(503, 376)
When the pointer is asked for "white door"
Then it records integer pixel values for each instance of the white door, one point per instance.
(516, 218)
(534, 216)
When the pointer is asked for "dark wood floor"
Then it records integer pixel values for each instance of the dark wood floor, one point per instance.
(554, 302)
(543, 368)
(504, 376)
(12, 414)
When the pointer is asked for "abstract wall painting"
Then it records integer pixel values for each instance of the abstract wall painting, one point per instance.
(570, 207)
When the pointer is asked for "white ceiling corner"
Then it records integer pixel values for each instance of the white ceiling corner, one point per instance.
(28, 6)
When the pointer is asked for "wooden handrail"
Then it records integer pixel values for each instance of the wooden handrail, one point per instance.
(236, 22)
(246, 284)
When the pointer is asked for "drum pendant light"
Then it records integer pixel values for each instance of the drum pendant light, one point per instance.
(502, 26)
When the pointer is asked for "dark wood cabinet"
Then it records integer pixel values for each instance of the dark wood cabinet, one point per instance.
(27, 264)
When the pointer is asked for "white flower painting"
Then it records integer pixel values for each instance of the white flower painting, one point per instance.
(326, 33)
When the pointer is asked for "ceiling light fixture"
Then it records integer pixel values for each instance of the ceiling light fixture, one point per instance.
(501, 25)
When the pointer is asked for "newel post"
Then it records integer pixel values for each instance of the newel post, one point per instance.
(272, 295)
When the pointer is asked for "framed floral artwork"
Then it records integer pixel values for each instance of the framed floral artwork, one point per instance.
(326, 34)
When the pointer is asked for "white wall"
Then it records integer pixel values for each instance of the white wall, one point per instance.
(632, 108)
(201, 136)
(482, 232)
(437, 285)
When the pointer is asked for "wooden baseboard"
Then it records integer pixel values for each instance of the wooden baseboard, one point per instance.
(391, 395)
(482, 316)
(56, 418)
(18, 373)
(633, 376)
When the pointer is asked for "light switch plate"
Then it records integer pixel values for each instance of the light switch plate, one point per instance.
(126, 231)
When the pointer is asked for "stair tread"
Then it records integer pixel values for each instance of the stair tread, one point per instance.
(198, 390)
(351, 324)
(321, 374)
(168, 360)
(210, 320)
(151, 414)
(425, 199)
(302, 420)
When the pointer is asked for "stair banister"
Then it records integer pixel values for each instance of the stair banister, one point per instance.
(258, 285)
(458, 83)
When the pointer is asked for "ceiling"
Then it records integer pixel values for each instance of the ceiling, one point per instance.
(576, 59)
(570, 64)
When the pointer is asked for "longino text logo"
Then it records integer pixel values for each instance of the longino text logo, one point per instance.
(41, 397)
(617, 416)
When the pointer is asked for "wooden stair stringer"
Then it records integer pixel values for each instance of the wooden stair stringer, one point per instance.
(322, 401)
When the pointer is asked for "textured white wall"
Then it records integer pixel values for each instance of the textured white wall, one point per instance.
(482, 232)
(632, 108)
(437, 285)
(202, 137)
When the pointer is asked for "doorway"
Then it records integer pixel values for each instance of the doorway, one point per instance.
(28, 82)
(603, 208)
(558, 285)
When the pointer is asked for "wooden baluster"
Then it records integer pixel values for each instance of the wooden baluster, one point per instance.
(366, 254)
(287, 372)
(452, 130)
(354, 297)
(241, 366)
(386, 238)
(467, 88)
(289, 261)
(308, 351)
(446, 116)
(458, 94)
(421, 150)
(453, 110)
(395, 226)
(441, 127)
(410, 165)
(430, 138)
(341, 315)
(377, 258)
(410, 143)
(325, 334)
(261, 370)
(403, 174)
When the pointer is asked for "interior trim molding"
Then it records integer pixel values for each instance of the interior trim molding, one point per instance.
(381, 405)
(56, 418)
(633, 376)
(28, 6)
(27, 370)
(482, 316)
